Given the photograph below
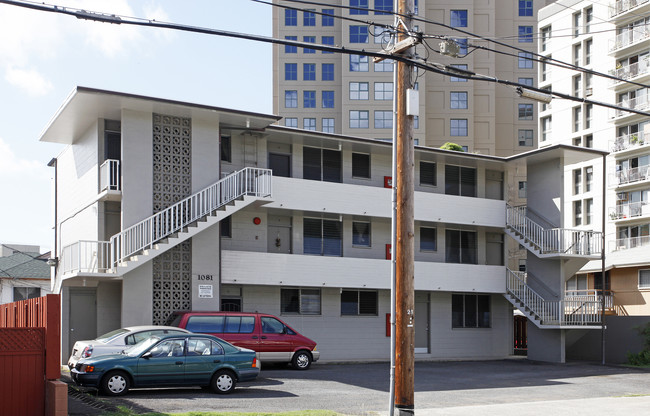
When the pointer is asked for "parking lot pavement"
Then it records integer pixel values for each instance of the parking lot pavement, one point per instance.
(441, 388)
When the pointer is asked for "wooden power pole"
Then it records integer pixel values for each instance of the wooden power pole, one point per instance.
(405, 231)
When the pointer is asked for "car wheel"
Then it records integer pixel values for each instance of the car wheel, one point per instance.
(301, 360)
(115, 383)
(223, 382)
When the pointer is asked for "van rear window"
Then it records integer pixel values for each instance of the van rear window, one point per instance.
(205, 324)
(239, 324)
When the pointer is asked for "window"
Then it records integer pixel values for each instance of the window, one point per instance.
(546, 123)
(546, 36)
(526, 81)
(226, 227)
(428, 239)
(382, 35)
(24, 293)
(321, 164)
(226, 149)
(361, 165)
(525, 137)
(327, 17)
(458, 18)
(644, 279)
(589, 178)
(383, 90)
(298, 301)
(383, 119)
(360, 234)
(309, 39)
(384, 66)
(461, 247)
(589, 46)
(309, 123)
(327, 72)
(327, 40)
(328, 99)
(577, 23)
(358, 34)
(462, 46)
(577, 213)
(577, 85)
(290, 72)
(328, 125)
(290, 17)
(459, 66)
(309, 18)
(359, 302)
(359, 119)
(384, 6)
(458, 100)
(525, 7)
(470, 311)
(309, 72)
(589, 141)
(460, 181)
(291, 99)
(525, 60)
(358, 90)
(577, 181)
(577, 51)
(525, 111)
(522, 189)
(291, 122)
(289, 48)
(589, 17)
(458, 127)
(309, 99)
(416, 125)
(545, 69)
(360, 4)
(428, 173)
(358, 63)
(525, 34)
(577, 118)
(589, 211)
(322, 237)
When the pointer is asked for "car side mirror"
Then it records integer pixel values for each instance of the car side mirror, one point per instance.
(284, 330)
(146, 355)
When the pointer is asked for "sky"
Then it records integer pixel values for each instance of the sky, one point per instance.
(44, 56)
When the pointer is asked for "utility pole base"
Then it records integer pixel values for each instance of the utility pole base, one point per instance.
(404, 411)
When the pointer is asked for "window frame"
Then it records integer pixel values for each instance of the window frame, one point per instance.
(358, 302)
(361, 162)
(358, 91)
(644, 286)
(467, 309)
(359, 119)
(300, 298)
(433, 240)
(324, 250)
(433, 173)
(356, 236)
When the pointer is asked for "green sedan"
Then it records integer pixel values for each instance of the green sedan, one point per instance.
(169, 361)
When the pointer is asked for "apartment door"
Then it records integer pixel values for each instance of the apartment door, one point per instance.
(422, 323)
(279, 239)
(83, 314)
(280, 164)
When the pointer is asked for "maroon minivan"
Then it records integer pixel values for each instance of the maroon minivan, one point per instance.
(272, 339)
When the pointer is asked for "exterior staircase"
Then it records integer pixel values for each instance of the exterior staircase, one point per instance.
(153, 236)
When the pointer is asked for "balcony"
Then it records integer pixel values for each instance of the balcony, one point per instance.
(590, 295)
(629, 142)
(86, 257)
(641, 103)
(620, 7)
(110, 181)
(629, 243)
(628, 38)
(630, 72)
(629, 210)
(629, 176)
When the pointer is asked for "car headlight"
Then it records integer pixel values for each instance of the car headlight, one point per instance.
(87, 352)
(87, 368)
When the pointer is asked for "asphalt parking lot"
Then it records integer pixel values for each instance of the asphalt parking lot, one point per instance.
(514, 386)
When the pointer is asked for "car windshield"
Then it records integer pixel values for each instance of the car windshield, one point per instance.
(141, 347)
(112, 334)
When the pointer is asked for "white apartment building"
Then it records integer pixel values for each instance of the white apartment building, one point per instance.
(164, 205)
(612, 38)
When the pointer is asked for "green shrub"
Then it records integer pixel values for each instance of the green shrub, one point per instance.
(641, 358)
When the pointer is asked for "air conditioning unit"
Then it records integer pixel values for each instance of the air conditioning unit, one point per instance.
(589, 91)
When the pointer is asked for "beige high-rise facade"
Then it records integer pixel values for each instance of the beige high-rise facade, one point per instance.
(351, 95)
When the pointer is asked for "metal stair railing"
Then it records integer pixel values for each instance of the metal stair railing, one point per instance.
(552, 240)
(143, 235)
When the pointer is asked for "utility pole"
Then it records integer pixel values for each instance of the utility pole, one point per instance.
(405, 230)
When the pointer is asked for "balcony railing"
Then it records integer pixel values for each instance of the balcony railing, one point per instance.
(628, 141)
(631, 71)
(629, 210)
(109, 176)
(553, 240)
(639, 103)
(590, 295)
(628, 243)
(631, 175)
(621, 6)
(86, 257)
(628, 38)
